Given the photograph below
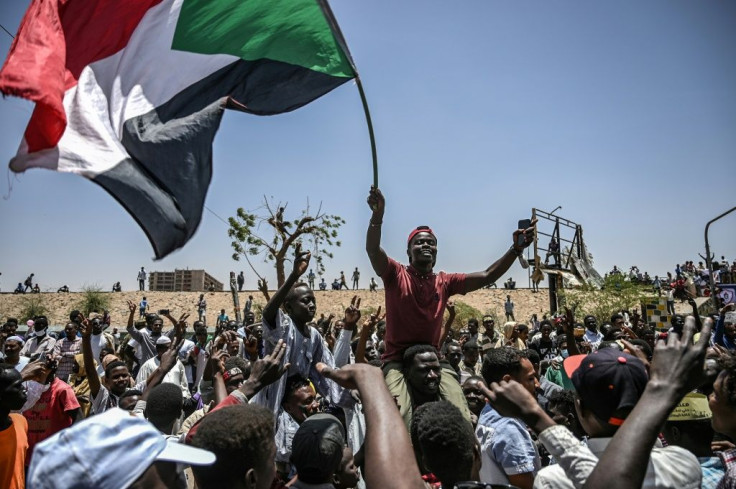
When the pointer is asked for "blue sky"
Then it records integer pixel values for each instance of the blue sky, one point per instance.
(623, 113)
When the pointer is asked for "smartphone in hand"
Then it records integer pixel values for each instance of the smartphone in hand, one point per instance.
(523, 224)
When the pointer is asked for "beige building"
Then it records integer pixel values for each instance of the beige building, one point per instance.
(183, 281)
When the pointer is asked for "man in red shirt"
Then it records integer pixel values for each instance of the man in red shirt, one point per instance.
(416, 297)
(56, 409)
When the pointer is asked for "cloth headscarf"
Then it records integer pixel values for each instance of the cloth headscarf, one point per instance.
(508, 331)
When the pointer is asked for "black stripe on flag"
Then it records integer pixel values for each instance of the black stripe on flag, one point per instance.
(164, 183)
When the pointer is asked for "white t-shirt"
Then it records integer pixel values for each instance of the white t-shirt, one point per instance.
(175, 376)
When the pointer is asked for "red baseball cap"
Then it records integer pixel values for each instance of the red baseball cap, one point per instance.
(420, 229)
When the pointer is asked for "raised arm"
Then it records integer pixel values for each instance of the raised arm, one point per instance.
(180, 326)
(450, 319)
(89, 359)
(677, 368)
(365, 333)
(265, 371)
(521, 239)
(572, 346)
(378, 257)
(218, 383)
(134, 333)
(301, 262)
(389, 458)
(720, 324)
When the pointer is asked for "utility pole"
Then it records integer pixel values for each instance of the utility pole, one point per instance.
(709, 260)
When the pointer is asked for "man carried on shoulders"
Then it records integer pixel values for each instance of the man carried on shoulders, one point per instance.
(416, 296)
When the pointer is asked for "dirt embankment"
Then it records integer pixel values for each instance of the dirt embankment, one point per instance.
(59, 304)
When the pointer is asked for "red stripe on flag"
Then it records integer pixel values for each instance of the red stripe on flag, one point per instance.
(55, 41)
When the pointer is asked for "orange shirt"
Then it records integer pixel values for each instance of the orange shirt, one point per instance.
(13, 447)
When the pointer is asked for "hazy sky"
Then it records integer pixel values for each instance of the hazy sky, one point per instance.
(623, 113)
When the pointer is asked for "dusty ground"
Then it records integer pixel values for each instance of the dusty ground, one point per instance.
(59, 305)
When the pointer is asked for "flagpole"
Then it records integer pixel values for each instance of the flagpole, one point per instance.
(370, 130)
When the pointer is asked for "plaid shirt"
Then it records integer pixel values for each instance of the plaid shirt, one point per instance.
(66, 349)
(729, 461)
(713, 471)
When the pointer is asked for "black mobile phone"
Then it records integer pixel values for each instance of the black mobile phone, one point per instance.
(523, 224)
(163, 312)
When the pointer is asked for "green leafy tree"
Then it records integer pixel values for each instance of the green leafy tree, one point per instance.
(267, 232)
(617, 294)
(93, 300)
(464, 312)
(31, 307)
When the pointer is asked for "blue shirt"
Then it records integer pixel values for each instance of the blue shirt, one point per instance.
(718, 336)
(713, 471)
(506, 446)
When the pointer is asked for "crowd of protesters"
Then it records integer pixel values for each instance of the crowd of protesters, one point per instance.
(685, 280)
(378, 400)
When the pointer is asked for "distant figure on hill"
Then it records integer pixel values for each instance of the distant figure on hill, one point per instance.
(142, 279)
(63, 288)
(116, 287)
(657, 285)
(310, 278)
(356, 277)
(36, 289)
(373, 285)
(28, 283)
(343, 281)
(19, 289)
(202, 308)
(322, 284)
(142, 307)
(508, 308)
(241, 280)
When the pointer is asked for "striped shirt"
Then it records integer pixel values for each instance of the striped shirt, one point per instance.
(66, 349)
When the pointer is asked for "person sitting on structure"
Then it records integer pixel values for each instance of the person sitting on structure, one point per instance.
(553, 250)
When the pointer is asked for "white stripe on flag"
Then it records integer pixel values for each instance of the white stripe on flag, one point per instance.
(130, 83)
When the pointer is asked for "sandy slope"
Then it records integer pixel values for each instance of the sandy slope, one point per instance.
(59, 305)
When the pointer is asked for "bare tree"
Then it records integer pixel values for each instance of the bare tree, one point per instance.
(266, 231)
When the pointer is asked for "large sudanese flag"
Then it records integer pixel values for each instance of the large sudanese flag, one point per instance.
(130, 93)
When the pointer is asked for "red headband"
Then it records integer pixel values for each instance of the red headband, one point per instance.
(231, 373)
(421, 229)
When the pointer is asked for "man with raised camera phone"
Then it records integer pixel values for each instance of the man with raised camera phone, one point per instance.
(146, 337)
(416, 298)
(54, 409)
